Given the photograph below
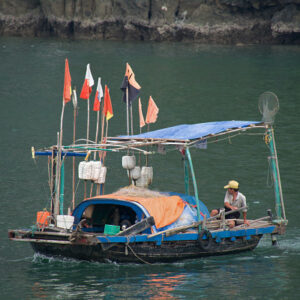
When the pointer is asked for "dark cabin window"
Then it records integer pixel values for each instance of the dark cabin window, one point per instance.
(100, 214)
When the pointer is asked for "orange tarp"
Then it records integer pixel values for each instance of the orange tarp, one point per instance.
(164, 210)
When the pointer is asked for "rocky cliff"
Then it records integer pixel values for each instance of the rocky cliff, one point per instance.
(202, 21)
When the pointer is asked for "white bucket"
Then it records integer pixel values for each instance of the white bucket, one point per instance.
(64, 221)
(128, 162)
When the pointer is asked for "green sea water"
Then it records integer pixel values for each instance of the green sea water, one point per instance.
(190, 84)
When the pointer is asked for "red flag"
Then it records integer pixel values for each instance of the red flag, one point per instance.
(98, 96)
(142, 121)
(152, 111)
(107, 110)
(87, 85)
(67, 83)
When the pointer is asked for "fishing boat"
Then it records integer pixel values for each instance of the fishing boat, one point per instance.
(138, 225)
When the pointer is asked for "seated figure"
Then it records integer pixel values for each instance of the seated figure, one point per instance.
(233, 200)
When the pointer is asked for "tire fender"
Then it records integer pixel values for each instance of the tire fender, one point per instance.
(205, 244)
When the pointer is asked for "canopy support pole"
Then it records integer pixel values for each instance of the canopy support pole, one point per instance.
(186, 177)
(194, 183)
(279, 204)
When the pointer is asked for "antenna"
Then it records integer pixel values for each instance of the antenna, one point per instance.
(268, 106)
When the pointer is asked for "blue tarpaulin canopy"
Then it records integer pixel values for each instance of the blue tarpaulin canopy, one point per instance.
(192, 131)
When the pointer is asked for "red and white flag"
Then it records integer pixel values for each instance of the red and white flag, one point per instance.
(87, 85)
(98, 96)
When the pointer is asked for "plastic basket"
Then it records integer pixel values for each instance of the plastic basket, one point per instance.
(111, 229)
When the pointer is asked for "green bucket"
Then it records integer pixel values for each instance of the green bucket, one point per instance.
(111, 229)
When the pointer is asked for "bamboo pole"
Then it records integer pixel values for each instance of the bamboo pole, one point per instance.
(127, 110)
(74, 139)
(97, 131)
(95, 153)
(131, 117)
(193, 225)
(52, 182)
(96, 139)
(57, 179)
(101, 155)
(280, 210)
(88, 121)
(87, 138)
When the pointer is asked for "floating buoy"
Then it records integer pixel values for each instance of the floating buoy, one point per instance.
(146, 177)
(85, 170)
(128, 162)
(102, 175)
(96, 167)
(135, 173)
(147, 173)
(80, 169)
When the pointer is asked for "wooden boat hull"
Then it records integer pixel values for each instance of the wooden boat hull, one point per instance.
(143, 248)
(147, 252)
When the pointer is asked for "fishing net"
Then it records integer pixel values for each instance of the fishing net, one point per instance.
(268, 105)
(138, 192)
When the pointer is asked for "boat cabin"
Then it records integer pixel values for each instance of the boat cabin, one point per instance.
(94, 214)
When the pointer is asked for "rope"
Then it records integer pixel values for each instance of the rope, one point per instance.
(127, 245)
(42, 184)
(269, 175)
(142, 260)
(34, 228)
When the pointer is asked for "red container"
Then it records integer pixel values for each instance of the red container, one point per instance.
(42, 219)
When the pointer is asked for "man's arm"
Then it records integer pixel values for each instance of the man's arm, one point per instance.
(245, 218)
(226, 204)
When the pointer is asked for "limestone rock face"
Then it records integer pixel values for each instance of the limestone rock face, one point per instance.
(201, 21)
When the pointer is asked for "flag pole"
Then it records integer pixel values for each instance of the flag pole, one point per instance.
(95, 153)
(131, 116)
(96, 141)
(104, 154)
(127, 110)
(74, 139)
(87, 137)
(101, 153)
(58, 170)
(56, 201)
(88, 121)
(97, 130)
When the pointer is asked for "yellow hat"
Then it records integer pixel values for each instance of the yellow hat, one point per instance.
(232, 184)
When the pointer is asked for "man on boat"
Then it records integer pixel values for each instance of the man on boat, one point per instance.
(233, 200)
